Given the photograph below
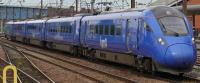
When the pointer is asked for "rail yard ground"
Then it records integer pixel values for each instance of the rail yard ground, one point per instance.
(61, 67)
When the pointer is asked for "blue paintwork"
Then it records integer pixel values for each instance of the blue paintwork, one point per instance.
(35, 31)
(177, 52)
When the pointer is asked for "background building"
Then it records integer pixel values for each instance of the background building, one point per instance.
(194, 18)
(20, 13)
(14, 13)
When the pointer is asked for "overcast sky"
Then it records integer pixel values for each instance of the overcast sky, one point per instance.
(66, 3)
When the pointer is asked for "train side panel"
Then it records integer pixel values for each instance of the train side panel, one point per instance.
(19, 31)
(63, 33)
(105, 37)
(35, 32)
(8, 31)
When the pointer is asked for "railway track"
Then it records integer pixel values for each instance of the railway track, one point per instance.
(18, 59)
(86, 71)
(107, 77)
(22, 76)
(50, 59)
(58, 63)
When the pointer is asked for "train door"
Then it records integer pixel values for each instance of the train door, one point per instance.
(145, 38)
(132, 33)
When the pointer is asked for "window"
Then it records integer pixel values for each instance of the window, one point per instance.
(65, 28)
(112, 30)
(97, 29)
(118, 29)
(173, 26)
(31, 28)
(61, 29)
(92, 29)
(70, 28)
(18, 27)
(50, 30)
(129, 27)
(106, 30)
(101, 29)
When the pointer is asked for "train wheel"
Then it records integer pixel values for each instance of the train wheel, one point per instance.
(139, 64)
(24, 40)
(91, 55)
(181, 74)
(80, 51)
(75, 51)
(28, 41)
(154, 68)
(147, 64)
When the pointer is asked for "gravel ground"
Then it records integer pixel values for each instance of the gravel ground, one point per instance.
(59, 75)
(2, 53)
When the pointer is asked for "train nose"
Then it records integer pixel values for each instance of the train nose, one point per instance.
(180, 57)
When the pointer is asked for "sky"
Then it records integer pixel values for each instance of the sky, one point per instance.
(66, 3)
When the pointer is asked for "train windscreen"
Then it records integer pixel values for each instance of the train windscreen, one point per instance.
(173, 26)
(171, 20)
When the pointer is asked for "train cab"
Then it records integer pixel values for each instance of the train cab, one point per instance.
(168, 39)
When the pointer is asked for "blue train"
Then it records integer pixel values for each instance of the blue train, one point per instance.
(154, 39)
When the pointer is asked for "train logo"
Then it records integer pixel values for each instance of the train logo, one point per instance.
(103, 43)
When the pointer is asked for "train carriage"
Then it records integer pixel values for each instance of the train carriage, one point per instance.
(35, 32)
(62, 33)
(16, 30)
(8, 30)
(109, 35)
(153, 39)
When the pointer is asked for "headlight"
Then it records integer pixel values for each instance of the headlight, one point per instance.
(193, 40)
(161, 41)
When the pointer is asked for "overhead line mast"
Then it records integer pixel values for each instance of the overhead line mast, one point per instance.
(185, 7)
(41, 7)
(76, 6)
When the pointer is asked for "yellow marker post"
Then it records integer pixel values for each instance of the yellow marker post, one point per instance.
(10, 67)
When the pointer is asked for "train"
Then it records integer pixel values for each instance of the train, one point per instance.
(153, 39)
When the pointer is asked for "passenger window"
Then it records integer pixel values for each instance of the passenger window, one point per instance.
(97, 29)
(118, 29)
(101, 29)
(70, 29)
(67, 29)
(106, 30)
(129, 27)
(92, 29)
(112, 30)
(62, 29)
(147, 27)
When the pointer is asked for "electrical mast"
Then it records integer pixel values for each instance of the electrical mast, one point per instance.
(92, 6)
(184, 6)
(76, 6)
(41, 7)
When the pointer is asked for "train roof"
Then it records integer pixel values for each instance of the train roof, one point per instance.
(125, 10)
(64, 19)
(113, 16)
(20, 22)
(37, 21)
(11, 22)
